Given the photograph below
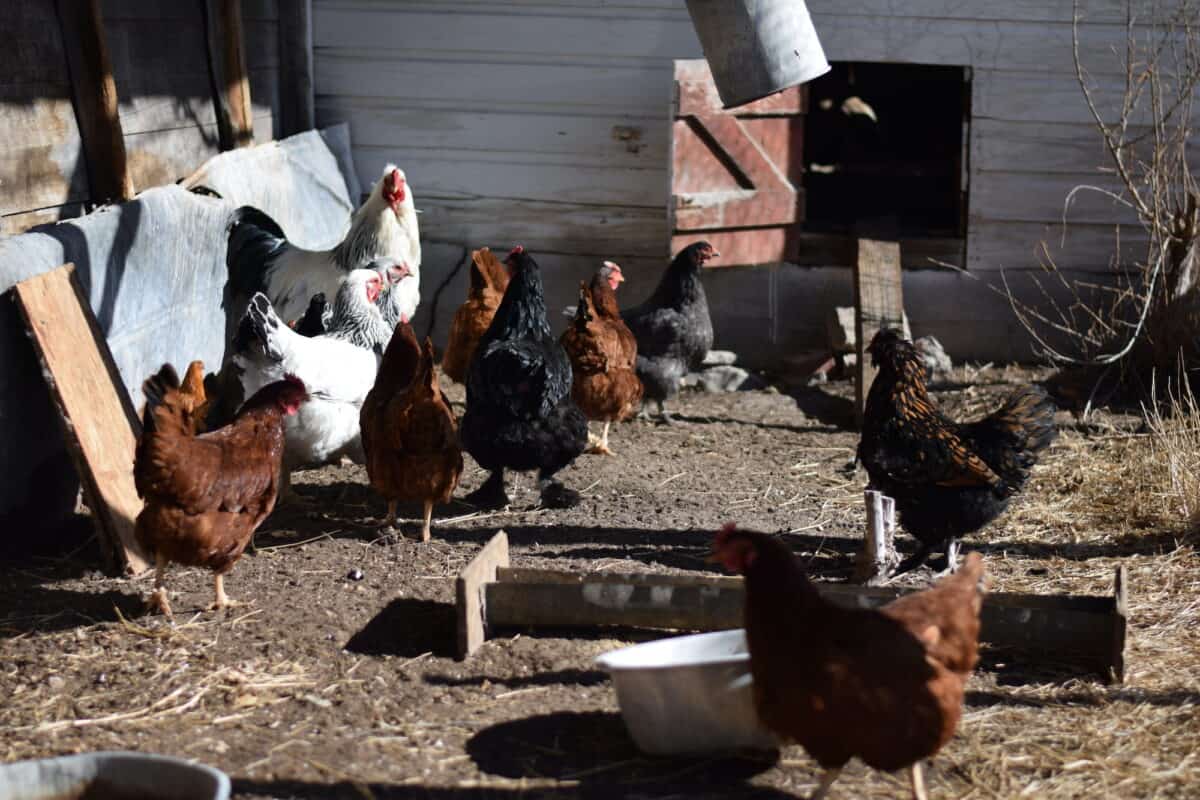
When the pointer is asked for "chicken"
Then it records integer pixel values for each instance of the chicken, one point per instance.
(206, 495)
(603, 353)
(885, 685)
(489, 279)
(673, 330)
(409, 434)
(260, 258)
(313, 321)
(519, 410)
(338, 367)
(947, 479)
(190, 396)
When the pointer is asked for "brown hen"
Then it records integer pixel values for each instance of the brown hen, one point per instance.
(885, 685)
(603, 354)
(206, 495)
(489, 279)
(409, 433)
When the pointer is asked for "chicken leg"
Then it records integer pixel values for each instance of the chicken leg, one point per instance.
(491, 495)
(600, 446)
(222, 600)
(917, 778)
(389, 521)
(428, 514)
(158, 598)
(827, 780)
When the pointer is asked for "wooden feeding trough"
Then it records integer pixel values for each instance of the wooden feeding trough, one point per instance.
(1085, 631)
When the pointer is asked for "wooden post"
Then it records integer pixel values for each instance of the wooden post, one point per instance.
(227, 65)
(1120, 621)
(99, 424)
(95, 95)
(878, 303)
(469, 595)
(295, 68)
(878, 557)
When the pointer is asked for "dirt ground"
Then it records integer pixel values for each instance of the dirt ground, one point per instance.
(336, 678)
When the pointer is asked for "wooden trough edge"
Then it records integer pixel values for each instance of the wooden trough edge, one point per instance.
(1077, 629)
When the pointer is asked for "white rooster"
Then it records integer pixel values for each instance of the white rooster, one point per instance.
(338, 367)
(260, 258)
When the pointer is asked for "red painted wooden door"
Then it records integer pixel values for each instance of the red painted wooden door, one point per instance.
(737, 175)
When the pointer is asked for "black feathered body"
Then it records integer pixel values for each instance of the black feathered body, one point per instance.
(947, 479)
(519, 410)
(673, 328)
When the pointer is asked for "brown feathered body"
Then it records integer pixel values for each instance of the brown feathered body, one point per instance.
(408, 430)
(205, 495)
(948, 479)
(603, 353)
(884, 685)
(489, 279)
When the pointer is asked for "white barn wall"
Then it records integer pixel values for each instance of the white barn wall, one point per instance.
(546, 122)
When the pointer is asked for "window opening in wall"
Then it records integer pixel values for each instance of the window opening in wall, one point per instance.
(885, 150)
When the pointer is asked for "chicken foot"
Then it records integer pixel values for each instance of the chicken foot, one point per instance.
(158, 598)
(599, 446)
(222, 600)
(827, 779)
(917, 779)
(491, 495)
(554, 494)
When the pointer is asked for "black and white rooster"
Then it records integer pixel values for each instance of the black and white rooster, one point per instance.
(261, 259)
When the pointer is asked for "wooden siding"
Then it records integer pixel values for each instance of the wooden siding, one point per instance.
(547, 121)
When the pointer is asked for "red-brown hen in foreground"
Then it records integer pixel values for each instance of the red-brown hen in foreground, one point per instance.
(206, 495)
(885, 685)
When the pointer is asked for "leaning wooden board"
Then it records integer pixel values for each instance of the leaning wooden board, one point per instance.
(99, 422)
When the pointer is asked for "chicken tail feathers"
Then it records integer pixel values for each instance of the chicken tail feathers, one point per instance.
(1011, 439)
(255, 240)
(155, 389)
(255, 331)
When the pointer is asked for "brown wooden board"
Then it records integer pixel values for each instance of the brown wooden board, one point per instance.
(878, 303)
(1082, 630)
(97, 416)
(735, 173)
(469, 597)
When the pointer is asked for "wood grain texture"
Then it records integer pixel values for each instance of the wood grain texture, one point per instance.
(878, 303)
(469, 593)
(98, 419)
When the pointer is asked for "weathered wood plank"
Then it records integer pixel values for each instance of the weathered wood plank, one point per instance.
(997, 245)
(96, 103)
(1086, 630)
(227, 61)
(296, 101)
(41, 164)
(470, 602)
(98, 419)
(614, 139)
(878, 304)
(1021, 197)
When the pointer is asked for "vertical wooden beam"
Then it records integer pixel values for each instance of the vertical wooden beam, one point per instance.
(878, 556)
(95, 97)
(227, 66)
(878, 303)
(295, 68)
(1120, 622)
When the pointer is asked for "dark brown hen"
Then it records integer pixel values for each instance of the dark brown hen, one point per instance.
(883, 685)
(948, 479)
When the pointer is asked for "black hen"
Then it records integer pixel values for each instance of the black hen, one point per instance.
(313, 321)
(947, 479)
(673, 329)
(519, 409)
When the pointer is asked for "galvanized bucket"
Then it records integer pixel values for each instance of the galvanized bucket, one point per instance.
(757, 47)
